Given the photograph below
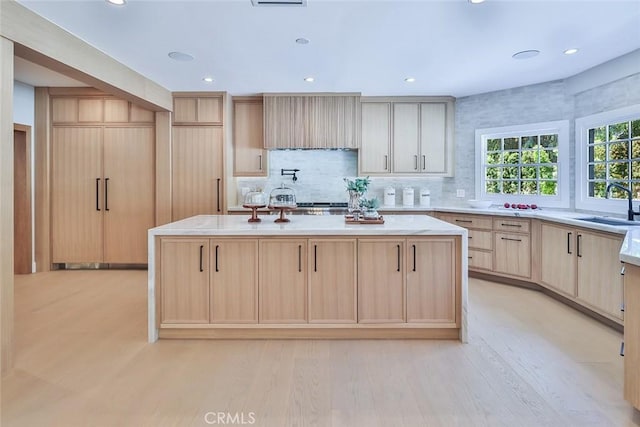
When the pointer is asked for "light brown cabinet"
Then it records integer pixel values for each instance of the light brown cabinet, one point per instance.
(249, 156)
(332, 281)
(381, 280)
(431, 278)
(407, 136)
(197, 171)
(480, 238)
(198, 108)
(234, 281)
(558, 258)
(512, 254)
(283, 281)
(632, 335)
(184, 278)
(97, 109)
(102, 194)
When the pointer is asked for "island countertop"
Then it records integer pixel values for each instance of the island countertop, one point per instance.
(305, 225)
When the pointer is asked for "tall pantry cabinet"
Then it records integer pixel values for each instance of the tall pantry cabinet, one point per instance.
(102, 180)
(197, 165)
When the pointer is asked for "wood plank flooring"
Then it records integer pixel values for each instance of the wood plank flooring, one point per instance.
(82, 360)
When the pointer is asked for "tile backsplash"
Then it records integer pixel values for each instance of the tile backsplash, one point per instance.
(321, 175)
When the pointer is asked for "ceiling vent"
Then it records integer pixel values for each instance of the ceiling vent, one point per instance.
(302, 3)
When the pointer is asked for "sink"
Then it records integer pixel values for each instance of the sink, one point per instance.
(609, 221)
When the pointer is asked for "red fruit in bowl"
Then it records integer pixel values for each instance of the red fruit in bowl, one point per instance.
(534, 206)
(513, 205)
(506, 205)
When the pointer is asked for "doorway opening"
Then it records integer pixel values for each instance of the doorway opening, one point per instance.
(22, 217)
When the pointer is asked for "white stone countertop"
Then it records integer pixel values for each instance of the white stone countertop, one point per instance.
(304, 225)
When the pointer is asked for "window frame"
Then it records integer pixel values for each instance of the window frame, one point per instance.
(559, 127)
(583, 124)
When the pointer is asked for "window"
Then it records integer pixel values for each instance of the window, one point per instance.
(608, 151)
(525, 163)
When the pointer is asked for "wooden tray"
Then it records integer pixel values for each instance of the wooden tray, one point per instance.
(350, 220)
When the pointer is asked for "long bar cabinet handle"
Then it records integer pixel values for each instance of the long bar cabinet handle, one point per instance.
(386, 162)
(415, 157)
(201, 249)
(299, 258)
(260, 161)
(578, 248)
(217, 247)
(569, 243)
(97, 194)
(424, 162)
(511, 225)
(106, 194)
(218, 193)
(464, 220)
(513, 240)
(414, 257)
(398, 257)
(315, 257)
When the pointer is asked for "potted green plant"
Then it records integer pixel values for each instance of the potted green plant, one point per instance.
(356, 188)
(369, 207)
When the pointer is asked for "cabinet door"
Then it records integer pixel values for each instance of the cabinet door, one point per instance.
(558, 261)
(375, 148)
(249, 155)
(283, 284)
(128, 193)
(77, 202)
(234, 281)
(197, 171)
(284, 121)
(405, 138)
(632, 335)
(433, 138)
(431, 280)
(599, 280)
(380, 281)
(332, 281)
(512, 254)
(184, 280)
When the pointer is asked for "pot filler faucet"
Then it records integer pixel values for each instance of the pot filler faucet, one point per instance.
(630, 213)
(292, 173)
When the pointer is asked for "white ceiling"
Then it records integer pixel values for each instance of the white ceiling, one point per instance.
(451, 47)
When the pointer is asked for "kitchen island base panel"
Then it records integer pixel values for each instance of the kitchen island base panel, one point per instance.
(304, 332)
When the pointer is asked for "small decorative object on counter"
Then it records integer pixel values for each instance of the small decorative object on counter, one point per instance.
(425, 198)
(369, 207)
(356, 188)
(282, 199)
(389, 196)
(407, 196)
(255, 200)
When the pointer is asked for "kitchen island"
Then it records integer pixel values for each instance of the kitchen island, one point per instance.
(219, 276)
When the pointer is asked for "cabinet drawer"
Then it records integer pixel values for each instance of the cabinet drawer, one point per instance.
(480, 260)
(513, 254)
(511, 225)
(468, 221)
(480, 239)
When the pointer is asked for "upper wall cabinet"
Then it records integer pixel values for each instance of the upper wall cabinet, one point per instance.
(97, 109)
(195, 108)
(311, 121)
(407, 136)
(249, 156)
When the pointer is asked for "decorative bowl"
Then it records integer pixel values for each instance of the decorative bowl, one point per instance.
(479, 204)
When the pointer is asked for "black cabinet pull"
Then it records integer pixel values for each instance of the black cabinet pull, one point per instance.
(299, 258)
(218, 193)
(315, 257)
(622, 271)
(416, 162)
(386, 162)
(97, 194)
(578, 248)
(217, 247)
(414, 257)
(511, 225)
(259, 161)
(106, 194)
(569, 243)
(424, 162)
(398, 257)
(622, 349)
(463, 220)
(201, 249)
(512, 240)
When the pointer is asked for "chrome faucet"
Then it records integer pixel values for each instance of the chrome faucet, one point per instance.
(630, 213)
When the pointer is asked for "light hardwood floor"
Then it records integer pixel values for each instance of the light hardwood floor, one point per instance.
(82, 360)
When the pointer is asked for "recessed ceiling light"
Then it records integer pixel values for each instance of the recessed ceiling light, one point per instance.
(208, 79)
(116, 2)
(180, 56)
(571, 51)
(526, 54)
(309, 79)
(410, 79)
(476, 1)
(302, 40)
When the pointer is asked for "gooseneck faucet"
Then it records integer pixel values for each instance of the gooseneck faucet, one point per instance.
(630, 213)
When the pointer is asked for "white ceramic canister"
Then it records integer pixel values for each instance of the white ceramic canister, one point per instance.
(389, 196)
(407, 196)
(425, 197)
